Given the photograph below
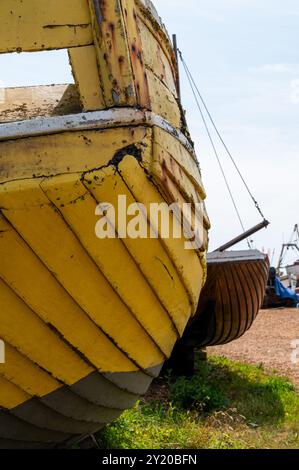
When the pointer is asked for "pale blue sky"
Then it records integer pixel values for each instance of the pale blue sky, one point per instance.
(244, 55)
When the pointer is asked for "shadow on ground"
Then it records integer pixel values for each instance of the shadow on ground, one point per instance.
(219, 384)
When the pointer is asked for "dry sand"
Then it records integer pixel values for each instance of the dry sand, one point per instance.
(269, 342)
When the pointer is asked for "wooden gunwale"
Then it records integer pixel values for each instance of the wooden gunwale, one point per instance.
(95, 120)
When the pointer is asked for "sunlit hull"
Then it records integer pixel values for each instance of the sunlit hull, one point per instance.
(87, 323)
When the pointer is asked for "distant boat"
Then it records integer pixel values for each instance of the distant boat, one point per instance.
(278, 294)
(293, 269)
(290, 279)
(87, 324)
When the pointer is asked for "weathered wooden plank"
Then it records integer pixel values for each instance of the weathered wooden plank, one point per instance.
(186, 262)
(105, 119)
(51, 302)
(78, 207)
(155, 58)
(112, 50)
(86, 74)
(10, 395)
(20, 327)
(136, 53)
(27, 375)
(35, 25)
(162, 100)
(184, 158)
(149, 253)
(32, 214)
(164, 163)
(64, 153)
(151, 19)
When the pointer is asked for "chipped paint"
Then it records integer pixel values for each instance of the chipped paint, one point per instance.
(92, 120)
(112, 51)
(35, 25)
(136, 53)
(54, 171)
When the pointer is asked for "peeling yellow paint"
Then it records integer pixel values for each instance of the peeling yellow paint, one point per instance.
(113, 56)
(155, 58)
(86, 73)
(72, 304)
(136, 53)
(34, 25)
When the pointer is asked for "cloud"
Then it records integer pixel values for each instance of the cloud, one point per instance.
(295, 91)
(276, 68)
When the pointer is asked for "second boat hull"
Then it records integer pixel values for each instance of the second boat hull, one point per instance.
(229, 303)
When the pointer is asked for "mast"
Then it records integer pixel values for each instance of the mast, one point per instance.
(175, 47)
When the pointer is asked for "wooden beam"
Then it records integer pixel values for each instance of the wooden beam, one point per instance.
(86, 74)
(155, 57)
(35, 25)
(244, 235)
(112, 52)
(136, 53)
(175, 46)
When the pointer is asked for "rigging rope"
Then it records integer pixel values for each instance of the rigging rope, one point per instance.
(216, 154)
(195, 90)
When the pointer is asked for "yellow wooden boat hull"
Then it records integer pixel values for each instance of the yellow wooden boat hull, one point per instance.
(87, 323)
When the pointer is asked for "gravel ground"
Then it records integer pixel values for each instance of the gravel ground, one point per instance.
(269, 342)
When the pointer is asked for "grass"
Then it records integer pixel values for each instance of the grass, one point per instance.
(225, 405)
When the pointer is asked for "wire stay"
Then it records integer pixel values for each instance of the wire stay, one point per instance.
(201, 102)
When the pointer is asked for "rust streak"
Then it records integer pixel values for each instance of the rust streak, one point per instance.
(79, 25)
